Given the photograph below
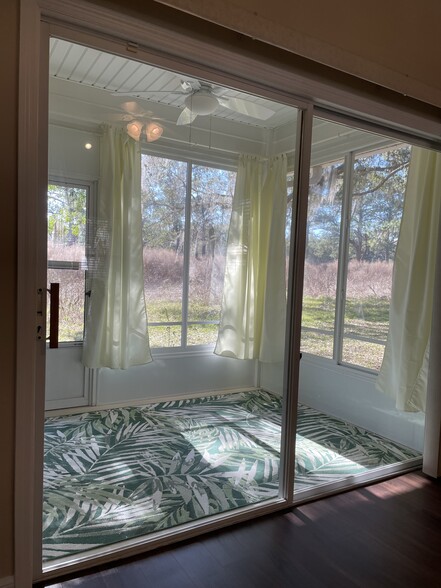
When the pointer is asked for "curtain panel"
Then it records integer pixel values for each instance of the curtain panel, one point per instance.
(253, 316)
(404, 370)
(116, 323)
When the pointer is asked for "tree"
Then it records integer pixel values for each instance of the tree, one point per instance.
(163, 191)
(211, 196)
(378, 188)
(324, 212)
(379, 184)
(66, 214)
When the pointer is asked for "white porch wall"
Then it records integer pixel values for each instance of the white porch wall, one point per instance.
(68, 158)
(349, 394)
(170, 376)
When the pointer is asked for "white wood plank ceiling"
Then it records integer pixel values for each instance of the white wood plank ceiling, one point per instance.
(83, 81)
(96, 69)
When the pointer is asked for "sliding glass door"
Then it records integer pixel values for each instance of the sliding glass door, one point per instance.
(349, 430)
(171, 200)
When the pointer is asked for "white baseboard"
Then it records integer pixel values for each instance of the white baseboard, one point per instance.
(7, 582)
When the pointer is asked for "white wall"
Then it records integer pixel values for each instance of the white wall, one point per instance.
(349, 394)
(67, 380)
(271, 377)
(68, 158)
(170, 375)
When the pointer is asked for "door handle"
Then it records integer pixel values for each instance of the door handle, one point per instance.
(54, 293)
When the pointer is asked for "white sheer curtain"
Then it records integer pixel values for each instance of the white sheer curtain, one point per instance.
(404, 370)
(252, 324)
(116, 323)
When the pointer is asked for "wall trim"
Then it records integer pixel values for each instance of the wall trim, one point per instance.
(55, 412)
(28, 365)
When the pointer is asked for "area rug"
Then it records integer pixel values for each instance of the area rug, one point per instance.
(111, 475)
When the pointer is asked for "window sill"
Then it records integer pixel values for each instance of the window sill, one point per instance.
(175, 352)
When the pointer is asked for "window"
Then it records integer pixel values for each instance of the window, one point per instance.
(376, 207)
(321, 261)
(354, 215)
(67, 206)
(186, 214)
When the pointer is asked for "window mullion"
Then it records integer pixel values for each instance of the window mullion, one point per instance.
(186, 265)
(343, 257)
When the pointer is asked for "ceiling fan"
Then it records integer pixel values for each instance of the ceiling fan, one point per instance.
(202, 99)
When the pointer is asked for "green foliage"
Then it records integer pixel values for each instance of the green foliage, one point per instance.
(379, 184)
(164, 190)
(164, 185)
(378, 188)
(318, 312)
(66, 214)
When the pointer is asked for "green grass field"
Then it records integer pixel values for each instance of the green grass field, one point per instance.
(366, 317)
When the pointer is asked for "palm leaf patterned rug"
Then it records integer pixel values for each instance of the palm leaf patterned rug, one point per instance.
(111, 475)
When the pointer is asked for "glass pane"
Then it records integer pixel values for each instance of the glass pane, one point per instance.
(352, 225)
(321, 262)
(66, 220)
(379, 183)
(66, 247)
(71, 311)
(202, 334)
(165, 336)
(211, 198)
(163, 215)
(364, 353)
(218, 447)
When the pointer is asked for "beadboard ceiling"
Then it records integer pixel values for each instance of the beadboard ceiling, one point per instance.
(88, 67)
(83, 82)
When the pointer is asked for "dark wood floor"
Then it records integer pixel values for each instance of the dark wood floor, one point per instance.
(386, 534)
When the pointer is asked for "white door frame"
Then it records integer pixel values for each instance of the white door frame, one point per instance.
(171, 49)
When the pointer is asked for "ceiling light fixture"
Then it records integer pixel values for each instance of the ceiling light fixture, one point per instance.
(134, 129)
(202, 102)
(152, 130)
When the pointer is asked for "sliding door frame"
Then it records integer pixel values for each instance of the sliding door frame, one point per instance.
(164, 45)
(28, 521)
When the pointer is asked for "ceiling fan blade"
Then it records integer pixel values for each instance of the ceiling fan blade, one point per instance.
(246, 107)
(132, 108)
(186, 117)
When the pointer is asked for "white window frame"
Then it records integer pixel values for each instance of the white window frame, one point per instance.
(342, 272)
(90, 187)
(184, 347)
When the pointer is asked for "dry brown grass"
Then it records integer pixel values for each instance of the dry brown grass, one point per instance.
(365, 279)
(163, 271)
